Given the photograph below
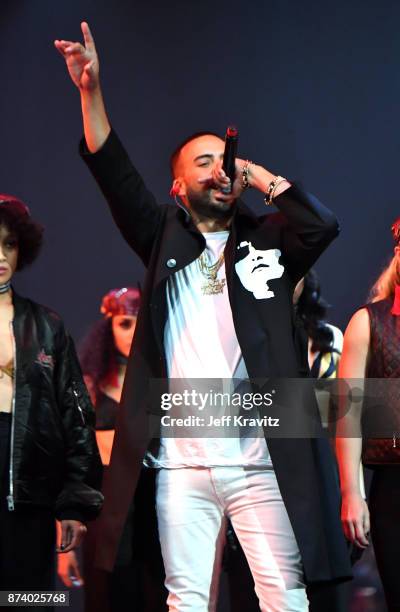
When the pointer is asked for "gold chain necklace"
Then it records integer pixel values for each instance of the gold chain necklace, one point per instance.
(213, 285)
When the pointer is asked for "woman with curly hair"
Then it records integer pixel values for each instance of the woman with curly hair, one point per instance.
(49, 463)
(138, 573)
(372, 351)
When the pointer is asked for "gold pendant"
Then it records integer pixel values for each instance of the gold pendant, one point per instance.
(213, 286)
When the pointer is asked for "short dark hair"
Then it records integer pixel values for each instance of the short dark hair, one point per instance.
(175, 155)
(29, 234)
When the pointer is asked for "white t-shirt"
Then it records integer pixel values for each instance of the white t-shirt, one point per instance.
(200, 343)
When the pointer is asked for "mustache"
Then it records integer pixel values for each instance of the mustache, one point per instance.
(210, 185)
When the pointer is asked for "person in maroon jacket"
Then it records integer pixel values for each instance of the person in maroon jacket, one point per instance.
(217, 304)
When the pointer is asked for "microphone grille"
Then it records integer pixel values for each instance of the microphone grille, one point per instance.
(232, 131)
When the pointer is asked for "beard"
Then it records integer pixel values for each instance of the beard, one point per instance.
(205, 206)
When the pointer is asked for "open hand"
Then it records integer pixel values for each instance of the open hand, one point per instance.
(68, 569)
(355, 519)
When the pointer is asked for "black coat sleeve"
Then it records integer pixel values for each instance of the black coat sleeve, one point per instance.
(132, 205)
(80, 497)
(308, 227)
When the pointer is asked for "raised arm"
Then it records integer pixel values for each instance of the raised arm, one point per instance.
(308, 227)
(352, 367)
(83, 66)
(132, 205)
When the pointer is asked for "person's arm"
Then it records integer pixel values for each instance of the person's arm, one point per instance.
(352, 367)
(83, 66)
(132, 205)
(80, 498)
(308, 227)
(68, 569)
(67, 564)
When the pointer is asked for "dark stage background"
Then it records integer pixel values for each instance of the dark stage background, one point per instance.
(313, 86)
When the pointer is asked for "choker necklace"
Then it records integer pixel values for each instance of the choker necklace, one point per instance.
(5, 287)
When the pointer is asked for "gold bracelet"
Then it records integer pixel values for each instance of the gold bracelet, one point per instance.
(245, 174)
(269, 196)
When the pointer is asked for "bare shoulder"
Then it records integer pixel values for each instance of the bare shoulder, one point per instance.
(358, 329)
(353, 362)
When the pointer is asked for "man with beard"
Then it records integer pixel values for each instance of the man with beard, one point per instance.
(205, 315)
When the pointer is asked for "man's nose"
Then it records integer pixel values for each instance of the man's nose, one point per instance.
(2, 254)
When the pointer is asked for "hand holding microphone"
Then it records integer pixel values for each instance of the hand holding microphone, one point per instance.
(231, 177)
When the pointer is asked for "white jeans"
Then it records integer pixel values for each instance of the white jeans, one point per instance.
(191, 507)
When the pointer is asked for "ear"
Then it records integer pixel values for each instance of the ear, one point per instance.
(397, 251)
(177, 188)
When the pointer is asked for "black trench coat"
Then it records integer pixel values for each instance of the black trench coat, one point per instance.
(166, 240)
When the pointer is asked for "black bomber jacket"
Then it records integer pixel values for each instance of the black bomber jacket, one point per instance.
(54, 459)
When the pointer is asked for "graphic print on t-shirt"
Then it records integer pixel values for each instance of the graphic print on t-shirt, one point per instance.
(200, 342)
(257, 268)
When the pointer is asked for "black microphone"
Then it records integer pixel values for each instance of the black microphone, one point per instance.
(228, 164)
